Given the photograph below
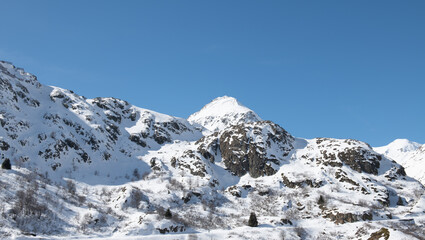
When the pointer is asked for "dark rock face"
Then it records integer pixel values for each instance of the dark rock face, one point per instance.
(234, 150)
(356, 159)
(246, 148)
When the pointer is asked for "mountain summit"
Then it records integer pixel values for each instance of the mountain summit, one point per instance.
(223, 112)
(397, 148)
(411, 155)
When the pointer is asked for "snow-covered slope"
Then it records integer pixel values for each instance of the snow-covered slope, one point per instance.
(410, 155)
(103, 168)
(59, 131)
(223, 112)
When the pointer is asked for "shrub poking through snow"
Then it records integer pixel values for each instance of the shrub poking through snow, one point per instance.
(6, 164)
(400, 201)
(252, 222)
(168, 214)
(321, 201)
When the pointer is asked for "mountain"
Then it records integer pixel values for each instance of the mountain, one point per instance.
(410, 155)
(223, 112)
(103, 168)
(50, 124)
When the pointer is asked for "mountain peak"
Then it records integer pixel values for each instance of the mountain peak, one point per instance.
(223, 112)
(398, 149)
(403, 145)
(223, 105)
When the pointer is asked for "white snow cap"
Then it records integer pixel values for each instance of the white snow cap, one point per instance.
(410, 155)
(398, 146)
(223, 112)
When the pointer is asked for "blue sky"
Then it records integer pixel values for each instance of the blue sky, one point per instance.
(344, 69)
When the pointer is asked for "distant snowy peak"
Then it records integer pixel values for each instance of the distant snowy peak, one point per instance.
(410, 155)
(398, 149)
(223, 112)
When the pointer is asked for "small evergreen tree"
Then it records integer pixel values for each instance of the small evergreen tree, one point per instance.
(400, 201)
(252, 222)
(321, 201)
(6, 164)
(168, 214)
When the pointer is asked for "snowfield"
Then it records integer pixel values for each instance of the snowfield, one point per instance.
(105, 169)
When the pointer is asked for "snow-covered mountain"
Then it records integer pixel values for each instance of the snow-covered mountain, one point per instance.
(398, 149)
(103, 168)
(56, 128)
(223, 112)
(410, 155)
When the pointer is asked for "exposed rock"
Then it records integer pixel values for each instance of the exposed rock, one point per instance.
(341, 218)
(360, 160)
(342, 177)
(357, 155)
(286, 221)
(234, 190)
(4, 146)
(189, 196)
(171, 229)
(302, 183)
(136, 139)
(244, 148)
(208, 146)
(382, 233)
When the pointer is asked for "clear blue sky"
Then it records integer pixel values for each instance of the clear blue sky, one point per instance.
(344, 69)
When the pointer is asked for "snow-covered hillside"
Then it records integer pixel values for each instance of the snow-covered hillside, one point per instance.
(103, 168)
(410, 155)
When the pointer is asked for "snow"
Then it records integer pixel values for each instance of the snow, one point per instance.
(220, 107)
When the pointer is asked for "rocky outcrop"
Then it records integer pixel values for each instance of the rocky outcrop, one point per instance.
(246, 148)
(255, 148)
(341, 218)
(301, 183)
(171, 229)
(360, 160)
(357, 155)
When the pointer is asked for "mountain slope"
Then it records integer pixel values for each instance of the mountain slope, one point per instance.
(103, 168)
(48, 125)
(410, 155)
